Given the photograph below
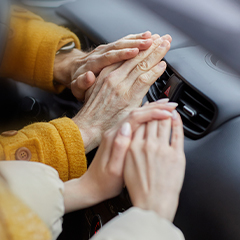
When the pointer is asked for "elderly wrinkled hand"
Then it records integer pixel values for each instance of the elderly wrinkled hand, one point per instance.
(69, 66)
(118, 90)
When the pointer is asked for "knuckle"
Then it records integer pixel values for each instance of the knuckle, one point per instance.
(143, 66)
(118, 144)
(144, 79)
(107, 57)
(117, 44)
(113, 171)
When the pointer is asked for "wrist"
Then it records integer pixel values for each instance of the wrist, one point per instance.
(91, 135)
(80, 193)
(64, 66)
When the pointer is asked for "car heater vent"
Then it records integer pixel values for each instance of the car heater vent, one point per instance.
(157, 88)
(197, 112)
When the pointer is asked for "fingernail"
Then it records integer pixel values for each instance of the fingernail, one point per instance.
(163, 100)
(172, 104)
(162, 64)
(145, 34)
(167, 113)
(164, 44)
(126, 129)
(158, 41)
(174, 114)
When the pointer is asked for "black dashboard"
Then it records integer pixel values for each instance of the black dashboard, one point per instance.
(208, 94)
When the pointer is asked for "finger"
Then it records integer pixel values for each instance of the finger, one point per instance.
(119, 149)
(164, 37)
(177, 140)
(128, 66)
(81, 84)
(139, 134)
(145, 81)
(152, 129)
(144, 35)
(136, 118)
(164, 131)
(155, 36)
(156, 105)
(164, 102)
(150, 61)
(108, 58)
(167, 37)
(142, 44)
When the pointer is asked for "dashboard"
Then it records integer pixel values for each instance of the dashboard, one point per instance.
(208, 93)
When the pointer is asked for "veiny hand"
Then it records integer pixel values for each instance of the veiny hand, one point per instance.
(69, 66)
(104, 178)
(154, 168)
(118, 90)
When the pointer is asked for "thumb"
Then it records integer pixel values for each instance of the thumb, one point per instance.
(81, 84)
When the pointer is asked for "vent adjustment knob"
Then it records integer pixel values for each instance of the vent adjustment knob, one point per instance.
(189, 111)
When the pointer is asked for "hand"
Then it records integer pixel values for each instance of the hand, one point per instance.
(104, 178)
(69, 66)
(118, 90)
(154, 168)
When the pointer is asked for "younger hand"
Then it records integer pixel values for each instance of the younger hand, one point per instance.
(104, 178)
(154, 168)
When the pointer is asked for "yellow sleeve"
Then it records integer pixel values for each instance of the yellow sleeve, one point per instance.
(31, 50)
(58, 144)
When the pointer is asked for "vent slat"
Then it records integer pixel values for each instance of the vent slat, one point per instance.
(198, 102)
(203, 115)
(197, 125)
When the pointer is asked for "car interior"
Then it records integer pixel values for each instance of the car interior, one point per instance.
(206, 89)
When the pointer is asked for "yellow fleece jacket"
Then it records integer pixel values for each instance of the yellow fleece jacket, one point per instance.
(29, 58)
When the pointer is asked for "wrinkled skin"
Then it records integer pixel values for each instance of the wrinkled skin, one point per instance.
(118, 90)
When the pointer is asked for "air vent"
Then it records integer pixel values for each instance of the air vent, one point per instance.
(196, 111)
(157, 88)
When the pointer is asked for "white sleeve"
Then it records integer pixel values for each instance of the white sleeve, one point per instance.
(137, 224)
(40, 188)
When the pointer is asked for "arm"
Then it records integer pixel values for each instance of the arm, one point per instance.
(30, 55)
(57, 143)
(30, 52)
(104, 178)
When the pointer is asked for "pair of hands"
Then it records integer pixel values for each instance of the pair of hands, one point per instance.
(139, 153)
(69, 67)
(118, 90)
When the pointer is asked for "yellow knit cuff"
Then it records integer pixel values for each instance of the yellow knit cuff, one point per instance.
(30, 53)
(45, 56)
(58, 144)
(74, 146)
